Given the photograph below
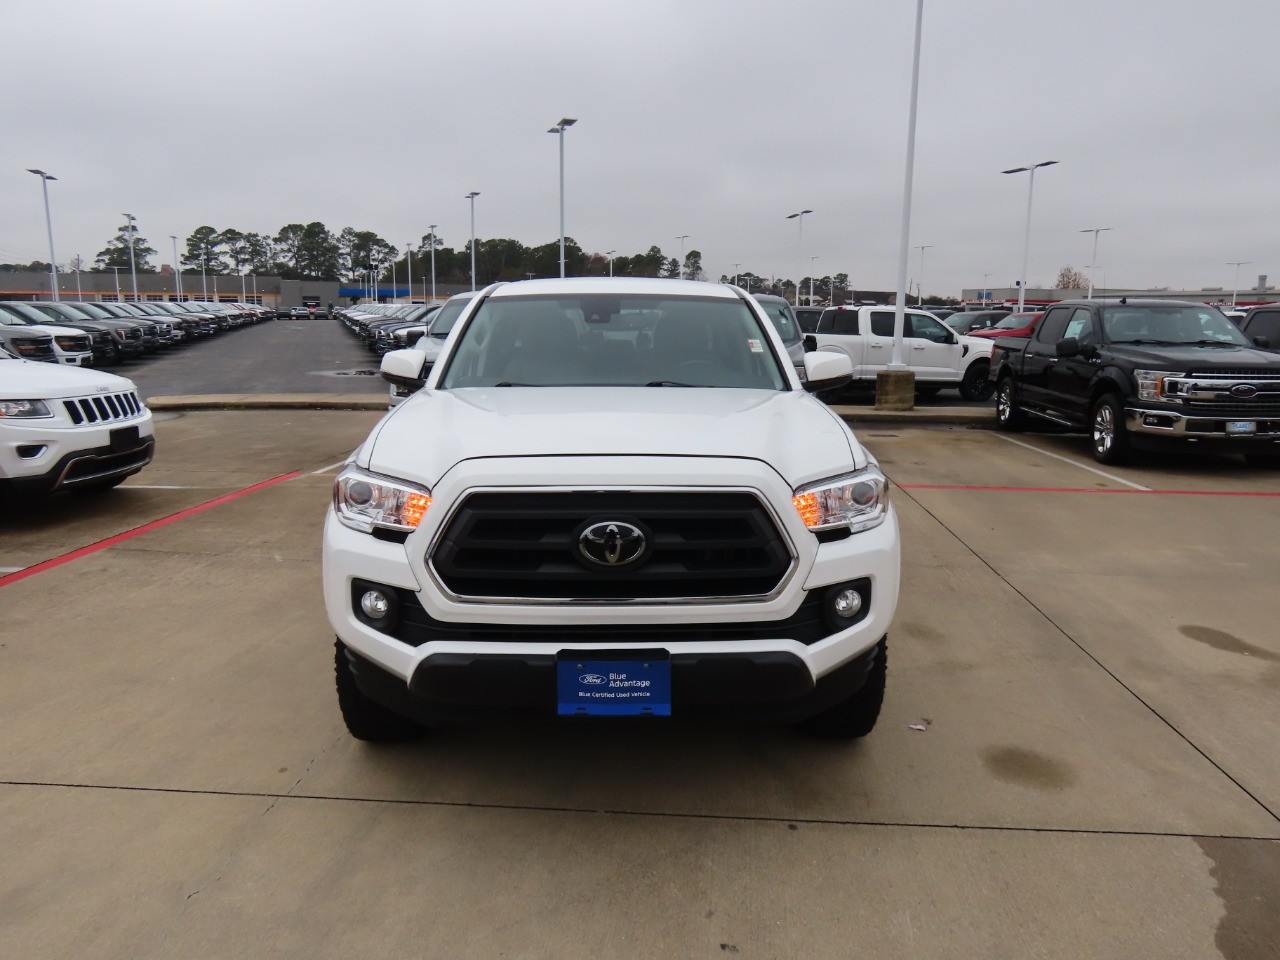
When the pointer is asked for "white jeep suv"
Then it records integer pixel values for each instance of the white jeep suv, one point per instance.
(613, 498)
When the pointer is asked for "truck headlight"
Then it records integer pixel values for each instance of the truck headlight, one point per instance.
(1158, 384)
(364, 500)
(858, 501)
(24, 409)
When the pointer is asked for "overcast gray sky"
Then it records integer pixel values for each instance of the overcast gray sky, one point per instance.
(713, 118)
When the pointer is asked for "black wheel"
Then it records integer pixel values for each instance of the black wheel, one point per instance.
(365, 719)
(1107, 430)
(855, 717)
(1263, 461)
(1009, 415)
(976, 383)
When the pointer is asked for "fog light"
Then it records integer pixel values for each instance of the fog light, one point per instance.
(847, 603)
(375, 604)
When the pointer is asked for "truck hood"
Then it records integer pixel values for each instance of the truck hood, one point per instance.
(1184, 359)
(436, 429)
(29, 380)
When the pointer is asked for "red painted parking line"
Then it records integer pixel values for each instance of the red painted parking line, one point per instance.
(92, 548)
(1145, 493)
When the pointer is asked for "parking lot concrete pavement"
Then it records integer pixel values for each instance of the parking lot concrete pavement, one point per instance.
(1095, 673)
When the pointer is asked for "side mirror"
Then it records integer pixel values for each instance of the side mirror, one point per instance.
(403, 368)
(1069, 347)
(810, 343)
(1263, 342)
(825, 370)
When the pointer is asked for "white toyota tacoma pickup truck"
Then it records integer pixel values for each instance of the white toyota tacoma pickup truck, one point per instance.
(612, 499)
(68, 428)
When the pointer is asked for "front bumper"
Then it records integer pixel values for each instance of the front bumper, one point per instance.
(37, 460)
(1159, 426)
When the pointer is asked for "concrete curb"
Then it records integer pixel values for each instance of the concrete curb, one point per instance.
(864, 416)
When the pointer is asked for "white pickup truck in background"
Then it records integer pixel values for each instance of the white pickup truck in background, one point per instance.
(937, 355)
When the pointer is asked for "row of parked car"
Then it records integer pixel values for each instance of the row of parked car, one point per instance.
(382, 327)
(83, 333)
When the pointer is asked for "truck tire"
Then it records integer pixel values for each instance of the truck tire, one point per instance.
(365, 719)
(1009, 415)
(1107, 432)
(855, 717)
(976, 383)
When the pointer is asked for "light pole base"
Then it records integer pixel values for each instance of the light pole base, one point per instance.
(895, 390)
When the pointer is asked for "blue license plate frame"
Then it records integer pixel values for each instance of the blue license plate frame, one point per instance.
(594, 686)
(1241, 428)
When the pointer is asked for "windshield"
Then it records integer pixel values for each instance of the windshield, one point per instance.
(1015, 321)
(608, 340)
(1170, 324)
(783, 320)
(447, 316)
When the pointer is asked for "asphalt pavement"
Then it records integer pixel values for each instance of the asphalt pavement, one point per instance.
(1076, 757)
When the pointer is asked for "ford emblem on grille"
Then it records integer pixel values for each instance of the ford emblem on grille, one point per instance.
(1244, 391)
(612, 543)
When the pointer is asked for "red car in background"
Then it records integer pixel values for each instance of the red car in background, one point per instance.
(1014, 325)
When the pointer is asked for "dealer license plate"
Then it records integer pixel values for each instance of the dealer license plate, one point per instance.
(1241, 426)
(124, 438)
(613, 688)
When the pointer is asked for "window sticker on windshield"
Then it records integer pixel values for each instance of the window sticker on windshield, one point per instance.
(755, 346)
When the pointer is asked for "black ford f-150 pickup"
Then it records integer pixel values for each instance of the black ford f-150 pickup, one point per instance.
(1143, 373)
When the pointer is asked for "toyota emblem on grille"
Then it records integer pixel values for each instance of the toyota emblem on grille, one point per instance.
(612, 543)
(1244, 391)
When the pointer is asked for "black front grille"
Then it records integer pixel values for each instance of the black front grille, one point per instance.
(417, 627)
(525, 545)
(104, 408)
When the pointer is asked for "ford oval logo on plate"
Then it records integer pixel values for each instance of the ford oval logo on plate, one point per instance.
(1244, 391)
(612, 543)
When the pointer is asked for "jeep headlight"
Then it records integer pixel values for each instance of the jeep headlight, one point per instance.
(1158, 384)
(365, 500)
(858, 501)
(24, 409)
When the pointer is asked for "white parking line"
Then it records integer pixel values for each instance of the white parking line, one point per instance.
(332, 466)
(1074, 463)
(175, 486)
(4, 570)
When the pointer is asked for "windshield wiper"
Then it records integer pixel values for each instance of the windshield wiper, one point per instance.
(510, 383)
(672, 383)
(1163, 343)
(1212, 343)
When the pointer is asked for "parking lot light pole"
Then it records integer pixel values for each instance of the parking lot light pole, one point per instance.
(920, 290)
(1093, 263)
(811, 260)
(985, 278)
(1026, 237)
(559, 130)
(116, 271)
(394, 292)
(609, 254)
(799, 218)
(472, 197)
(896, 360)
(177, 266)
(736, 266)
(79, 292)
(432, 227)
(408, 263)
(1235, 284)
(48, 222)
(133, 267)
(682, 238)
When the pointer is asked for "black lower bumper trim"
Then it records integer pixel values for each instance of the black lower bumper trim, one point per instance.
(486, 688)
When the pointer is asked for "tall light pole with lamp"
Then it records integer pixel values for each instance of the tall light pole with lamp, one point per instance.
(1235, 285)
(609, 254)
(811, 260)
(682, 238)
(559, 130)
(1093, 263)
(736, 266)
(1026, 237)
(799, 218)
(177, 265)
(116, 271)
(432, 228)
(133, 267)
(985, 287)
(472, 197)
(48, 222)
(920, 289)
(408, 263)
